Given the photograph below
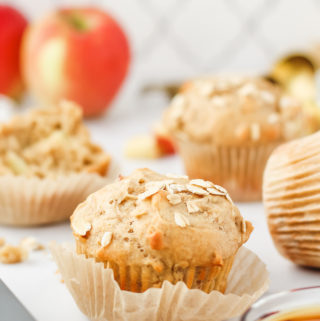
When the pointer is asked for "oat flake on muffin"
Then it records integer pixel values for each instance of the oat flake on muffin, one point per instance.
(48, 165)
(235, 111)
(150, 228)
(226, 127)
(49, 142)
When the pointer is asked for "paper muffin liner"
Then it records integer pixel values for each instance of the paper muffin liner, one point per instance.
(291, 194)
(100, 298)
(238, 169)
(34, 201)
(141, 278)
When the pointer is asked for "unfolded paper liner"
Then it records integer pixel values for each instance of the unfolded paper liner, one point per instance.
(99, 297)
(291, 193)
(34, 201)
(238, 169)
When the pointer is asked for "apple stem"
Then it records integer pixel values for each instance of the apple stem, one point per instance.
(76, 21)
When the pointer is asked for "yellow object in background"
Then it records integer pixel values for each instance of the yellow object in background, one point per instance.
(313, 109)
(297, 75)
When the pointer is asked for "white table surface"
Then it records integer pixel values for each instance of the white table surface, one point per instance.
(36, 283)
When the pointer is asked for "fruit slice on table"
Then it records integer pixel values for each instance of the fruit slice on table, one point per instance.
(164, 140)
(143, 147)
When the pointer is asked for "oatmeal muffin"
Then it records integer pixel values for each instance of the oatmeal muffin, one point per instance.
(291, 192)
(149, 228)
(48, 165)
(49, 142)
(226, 127)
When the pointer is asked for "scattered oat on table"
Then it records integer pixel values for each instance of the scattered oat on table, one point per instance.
(30, 243)
(10, 254)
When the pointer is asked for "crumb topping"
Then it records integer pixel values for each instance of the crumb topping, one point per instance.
(49, 142)
(235, 111)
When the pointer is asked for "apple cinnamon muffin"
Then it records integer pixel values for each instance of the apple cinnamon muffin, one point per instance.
(149, 228)
(226, 127)
(48, 165)
(48, 142)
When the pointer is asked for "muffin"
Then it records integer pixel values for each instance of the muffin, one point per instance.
(48, 142)
(226, 127)
(149, 228)
(48, 165)
(291, 193)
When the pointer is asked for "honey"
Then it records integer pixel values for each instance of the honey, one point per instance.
(310, 313)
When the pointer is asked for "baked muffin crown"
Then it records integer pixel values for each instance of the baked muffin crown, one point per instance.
(234, 110)
(49, 142)
(152, 219)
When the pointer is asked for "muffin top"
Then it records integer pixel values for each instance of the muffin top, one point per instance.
(48, 142)
(160, 220)
(235, 111)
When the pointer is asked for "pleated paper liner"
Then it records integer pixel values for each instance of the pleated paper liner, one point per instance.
(140, 278)
(100, 298)
(291, 196)
(238, 169)
(34, 201)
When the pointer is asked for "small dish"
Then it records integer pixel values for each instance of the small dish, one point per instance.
(286, 301)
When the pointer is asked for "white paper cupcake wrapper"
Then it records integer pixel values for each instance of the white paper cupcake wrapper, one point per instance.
(238, 169)
(34, 201)
(291, 193)
(99, 297)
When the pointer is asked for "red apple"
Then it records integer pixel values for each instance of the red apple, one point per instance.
(12, 25)
(79, 54)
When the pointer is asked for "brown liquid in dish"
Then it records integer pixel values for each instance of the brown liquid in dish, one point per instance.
(311, 313)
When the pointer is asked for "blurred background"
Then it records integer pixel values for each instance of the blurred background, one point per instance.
(160, 43)
(176, 39)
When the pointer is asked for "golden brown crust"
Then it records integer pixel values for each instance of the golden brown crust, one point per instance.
(163, 221)
(235, 111)
(48, 142)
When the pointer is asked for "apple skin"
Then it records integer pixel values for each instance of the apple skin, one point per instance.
(164, 140)
(78, 54)
(12, 26)
(165, 144)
